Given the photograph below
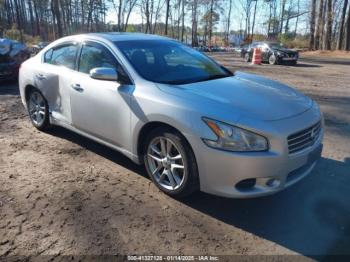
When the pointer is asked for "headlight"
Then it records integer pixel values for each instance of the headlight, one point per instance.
(233, 138)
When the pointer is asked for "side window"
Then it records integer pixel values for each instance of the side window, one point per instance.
(94, 55)
(63, 56)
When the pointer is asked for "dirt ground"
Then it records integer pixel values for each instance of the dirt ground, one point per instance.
(62, 194)
(330, 54)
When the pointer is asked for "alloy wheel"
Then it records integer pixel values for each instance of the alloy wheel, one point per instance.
(166, 163)
(36, 108)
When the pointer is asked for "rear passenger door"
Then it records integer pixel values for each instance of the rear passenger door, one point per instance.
(53, 77)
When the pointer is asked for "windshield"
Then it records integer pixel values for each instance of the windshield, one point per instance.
(170, 62)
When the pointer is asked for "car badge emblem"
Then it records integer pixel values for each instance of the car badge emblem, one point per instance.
(313, 133)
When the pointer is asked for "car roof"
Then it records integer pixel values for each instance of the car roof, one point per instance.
(117, 36)
(108, 36)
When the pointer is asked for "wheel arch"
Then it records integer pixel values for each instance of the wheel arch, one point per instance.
(149, 127)
(27, 89)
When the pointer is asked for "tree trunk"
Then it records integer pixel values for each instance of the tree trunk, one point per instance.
(210, 31)
(253, 25)
(120, 6)
(312, 25)
(297, 21)
(183, 20)
(270, 18)
(228, 22)
(166, 17)
(194, 23)
(347, 39)
(342, 25)
(283, 7)
(57, 16)
(30, 7)
(319, 27)
(328, 39)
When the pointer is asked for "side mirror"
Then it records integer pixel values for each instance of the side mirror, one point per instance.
(104, 73)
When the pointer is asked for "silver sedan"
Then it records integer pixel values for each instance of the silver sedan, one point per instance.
(193, 123)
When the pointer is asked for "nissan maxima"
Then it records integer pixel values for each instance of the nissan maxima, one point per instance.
(194, 124)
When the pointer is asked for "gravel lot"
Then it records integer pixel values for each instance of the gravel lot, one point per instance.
(62, 194)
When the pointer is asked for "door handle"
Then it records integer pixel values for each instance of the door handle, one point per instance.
(77, 87)
(40, 76)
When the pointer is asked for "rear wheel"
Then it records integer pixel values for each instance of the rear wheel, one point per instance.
(170, 162)
(38, 110)
(247, 57)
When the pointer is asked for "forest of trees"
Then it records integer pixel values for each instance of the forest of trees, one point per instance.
(329, 25)
(323, 24)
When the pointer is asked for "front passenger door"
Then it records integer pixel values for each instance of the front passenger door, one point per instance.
(100, 107)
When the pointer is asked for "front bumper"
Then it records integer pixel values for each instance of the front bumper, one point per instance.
(260, 173)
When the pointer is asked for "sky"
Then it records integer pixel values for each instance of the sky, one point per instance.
(237, 20)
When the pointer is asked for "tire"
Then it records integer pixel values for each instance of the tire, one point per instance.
(247, 58)
(273, 60)
(38, 110)
(293, 63)
(163, 166)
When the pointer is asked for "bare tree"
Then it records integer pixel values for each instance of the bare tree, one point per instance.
(254, 15)
(297, 20)
(312, 25)
(167, 16)
(183, 20)
(319, 27)
(210, 27)
(328, 37)
(228, 21)
(194, 23)
(342, 25)
(283, 8)
(55, 8)
(347, 39)
(246, 6)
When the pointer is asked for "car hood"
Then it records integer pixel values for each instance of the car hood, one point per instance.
(284, 50)
(247, 94)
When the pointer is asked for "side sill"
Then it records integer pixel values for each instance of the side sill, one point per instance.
(128, 154)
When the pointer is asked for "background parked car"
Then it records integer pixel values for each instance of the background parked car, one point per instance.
(272, 53)
(12, 54)
(37, 48)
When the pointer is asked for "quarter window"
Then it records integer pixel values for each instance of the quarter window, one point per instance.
(48, 56)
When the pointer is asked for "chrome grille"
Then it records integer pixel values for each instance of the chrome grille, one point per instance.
(303, 139)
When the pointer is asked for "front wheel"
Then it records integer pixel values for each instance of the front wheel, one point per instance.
(273, 60)
(170, 162)
(38, 110)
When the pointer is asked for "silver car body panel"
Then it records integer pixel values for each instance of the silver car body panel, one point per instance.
(114, 115)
